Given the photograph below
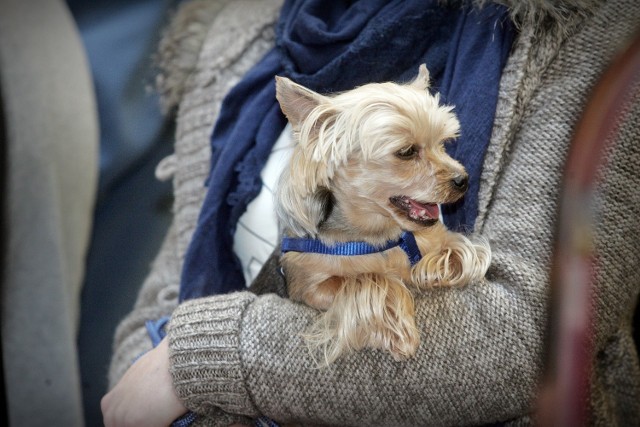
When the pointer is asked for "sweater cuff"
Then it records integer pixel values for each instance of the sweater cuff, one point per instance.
(204, 342)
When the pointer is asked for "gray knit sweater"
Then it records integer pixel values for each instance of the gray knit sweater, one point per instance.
(481, 351)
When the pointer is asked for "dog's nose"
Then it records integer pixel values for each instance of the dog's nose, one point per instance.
(460, 182)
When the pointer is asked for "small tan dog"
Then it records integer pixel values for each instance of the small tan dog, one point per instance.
(363, 187)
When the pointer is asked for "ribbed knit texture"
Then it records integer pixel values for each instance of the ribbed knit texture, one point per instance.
(201, 331)
(481, 346)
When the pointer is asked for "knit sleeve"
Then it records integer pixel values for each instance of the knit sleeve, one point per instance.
(478, 361)
(206, 361)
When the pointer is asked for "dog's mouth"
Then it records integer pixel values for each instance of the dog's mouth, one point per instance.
(420, 212)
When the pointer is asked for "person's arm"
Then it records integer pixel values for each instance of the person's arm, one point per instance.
(145, 396)
(479, 360)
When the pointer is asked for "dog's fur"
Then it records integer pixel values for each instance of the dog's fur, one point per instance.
(368, 164)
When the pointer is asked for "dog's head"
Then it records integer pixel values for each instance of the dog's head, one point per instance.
(373, 155)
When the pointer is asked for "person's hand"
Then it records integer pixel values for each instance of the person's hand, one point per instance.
(144, 396)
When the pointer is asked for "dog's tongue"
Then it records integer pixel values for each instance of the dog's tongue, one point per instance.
(423, 210)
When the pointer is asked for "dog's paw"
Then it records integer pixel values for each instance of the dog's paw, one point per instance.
(369, 311)
(401, 340)
(320, 296)
(457, 262)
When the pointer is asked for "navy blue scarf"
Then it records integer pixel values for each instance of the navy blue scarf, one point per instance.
(335, 46)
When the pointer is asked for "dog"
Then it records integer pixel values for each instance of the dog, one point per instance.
(358, 206)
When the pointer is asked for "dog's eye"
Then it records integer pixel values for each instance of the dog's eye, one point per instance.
(407, 153)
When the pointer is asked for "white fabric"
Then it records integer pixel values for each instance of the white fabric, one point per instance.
(257, 232)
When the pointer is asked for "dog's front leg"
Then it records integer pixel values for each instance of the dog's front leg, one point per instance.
(318, 295)
(370, 310)
(450, 259)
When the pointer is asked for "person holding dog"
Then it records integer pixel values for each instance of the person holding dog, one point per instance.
(235, 357)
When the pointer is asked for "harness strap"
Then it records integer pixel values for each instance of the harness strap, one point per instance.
(406, 241)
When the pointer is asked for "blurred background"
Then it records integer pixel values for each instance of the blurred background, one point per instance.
(133, 208)
(83, 215)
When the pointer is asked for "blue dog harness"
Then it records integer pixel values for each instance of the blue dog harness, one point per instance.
(406, 241)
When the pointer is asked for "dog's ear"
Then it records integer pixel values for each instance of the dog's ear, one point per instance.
(302, 207)
(303, 199)
(296, 100)
(322, 205)
(422, 80)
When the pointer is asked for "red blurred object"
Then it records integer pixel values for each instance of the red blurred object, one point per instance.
(565, 394)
